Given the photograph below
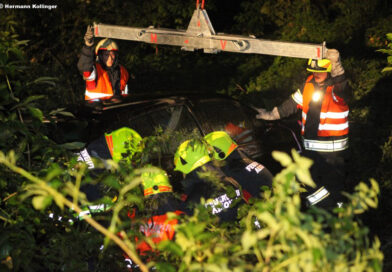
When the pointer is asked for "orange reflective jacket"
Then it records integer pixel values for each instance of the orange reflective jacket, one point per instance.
(98, 85)
(334, 110)
(158, 228)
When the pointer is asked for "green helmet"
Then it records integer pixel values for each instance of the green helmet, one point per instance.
(222, 144)
(155, 181)
(190, 155)
(123, 143)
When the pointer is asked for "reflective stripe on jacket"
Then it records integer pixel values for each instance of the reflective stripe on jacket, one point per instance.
(98, 85)
(326, 146)
(334, 110)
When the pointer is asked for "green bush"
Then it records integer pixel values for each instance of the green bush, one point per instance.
(288, 240)
(389, 52)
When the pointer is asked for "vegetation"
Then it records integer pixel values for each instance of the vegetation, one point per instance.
(288, 239)
(38, 79)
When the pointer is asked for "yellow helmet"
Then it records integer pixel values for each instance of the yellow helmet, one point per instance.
(155, 181)
(106, 44)
(319, 66)
(222, 144)
(190, 155)
(123, 143)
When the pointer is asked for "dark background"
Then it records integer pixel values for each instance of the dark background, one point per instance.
(356, 28)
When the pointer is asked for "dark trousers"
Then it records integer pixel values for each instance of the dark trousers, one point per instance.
(328, 171)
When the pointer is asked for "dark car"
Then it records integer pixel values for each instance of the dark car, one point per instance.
(183, 114)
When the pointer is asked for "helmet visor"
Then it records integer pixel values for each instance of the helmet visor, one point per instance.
(319, 66)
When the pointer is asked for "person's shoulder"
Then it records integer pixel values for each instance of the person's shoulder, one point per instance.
(122, 67)
(98, 65)
(124, 70)
(309, 78)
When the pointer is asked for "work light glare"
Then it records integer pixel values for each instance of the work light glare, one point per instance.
(316, 96)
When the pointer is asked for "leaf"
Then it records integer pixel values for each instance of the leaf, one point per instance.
(56, 111)
(305, 177)
(23, 42)
(66, 113)
(385, 51)
(248, 239)
(72, 145)
(164, 267)
(317, 254)
(171, 247)
(386, 69)
(389, 36)
(303, 162)
(269, 220)
(370, 202)
(28, 100)
(62, 112)
(112, 181)
(41, 202)
(282, 157)
(375, 186)
(44, 80)
(305, 237)
(36, 112)
(54, 171)
(184, 241)
(58, 198)
(262, 234)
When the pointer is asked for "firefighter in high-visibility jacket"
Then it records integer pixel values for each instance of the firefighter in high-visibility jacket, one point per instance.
(251, 175)
(159, 200)
(325, 127)
(105, 78)
(238, 177)
(223, 195)
(118, 145)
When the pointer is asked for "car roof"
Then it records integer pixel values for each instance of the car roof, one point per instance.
(146, 101)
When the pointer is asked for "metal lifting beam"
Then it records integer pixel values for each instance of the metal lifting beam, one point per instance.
(201, 35)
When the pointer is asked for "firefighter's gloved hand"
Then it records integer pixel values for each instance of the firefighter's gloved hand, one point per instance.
(268, 115)
(89, 36)
(337, 67)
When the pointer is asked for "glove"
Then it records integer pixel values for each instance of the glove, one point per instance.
(268, 115)
(89, 36)
(337, 68)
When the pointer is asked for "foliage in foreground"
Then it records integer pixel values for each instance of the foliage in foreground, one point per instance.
(388, 52)
(288, 240)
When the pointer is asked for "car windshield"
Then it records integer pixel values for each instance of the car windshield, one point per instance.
(174, 123)
(167, 119)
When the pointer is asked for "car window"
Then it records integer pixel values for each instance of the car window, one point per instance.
(168, 118)
(173, 118)
(227, 116)
(143, 124)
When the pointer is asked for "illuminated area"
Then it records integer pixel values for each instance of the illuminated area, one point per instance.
(316, 96)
